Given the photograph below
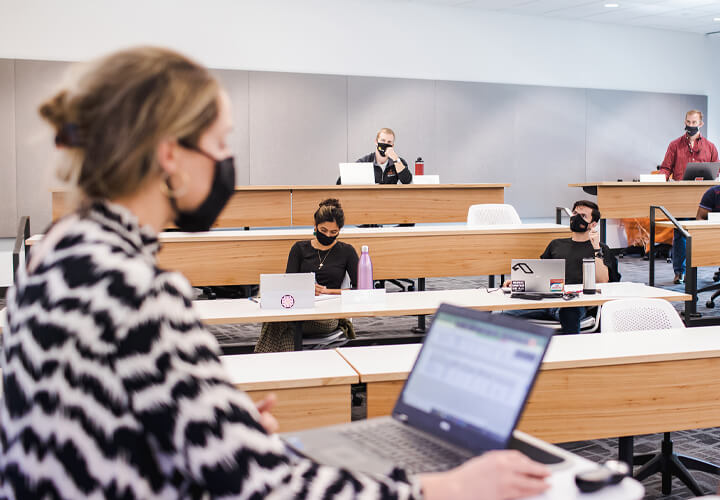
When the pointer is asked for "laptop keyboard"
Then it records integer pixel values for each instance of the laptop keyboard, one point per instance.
(416, 453)
(403, 446)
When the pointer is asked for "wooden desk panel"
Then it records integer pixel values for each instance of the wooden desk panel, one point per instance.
(393, 204)
(313, 387)
(575, 404)
(236, 259)
(257, 206)
(705, 241)
(282, 206)
(618, 200)
(591, 386)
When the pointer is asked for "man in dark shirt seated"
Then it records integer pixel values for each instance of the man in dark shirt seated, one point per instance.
(389, 167)
(584, 243)
(710, 202)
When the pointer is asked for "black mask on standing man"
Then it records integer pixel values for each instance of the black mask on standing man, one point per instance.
(691, 131)
(223, 187)
(578, 224)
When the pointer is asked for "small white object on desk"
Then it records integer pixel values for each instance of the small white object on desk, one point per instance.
(368, 297)
(652, 178)
(713, 217)
(426, 179)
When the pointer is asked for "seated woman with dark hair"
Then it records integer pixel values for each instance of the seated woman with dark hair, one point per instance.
(331, 260)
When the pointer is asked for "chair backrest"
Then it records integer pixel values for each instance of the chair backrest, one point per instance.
(492, 214)
(625, 315)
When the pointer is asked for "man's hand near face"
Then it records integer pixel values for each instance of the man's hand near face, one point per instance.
(390, 153)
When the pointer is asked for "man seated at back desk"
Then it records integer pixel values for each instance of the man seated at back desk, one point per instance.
(584, 243)
(388, 166)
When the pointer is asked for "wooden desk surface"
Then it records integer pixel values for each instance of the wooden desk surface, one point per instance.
(705, 241)
(591, 386)
(227, 257)
(268, 206)
(633, 199)
(416, 303)
(285, 370)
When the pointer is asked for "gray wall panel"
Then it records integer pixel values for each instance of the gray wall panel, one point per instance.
(37, 157)
(548, 151)
(406, 106)
(473, 131)
(8, 198)
(236, 85)
(298, 128)
(628, 132)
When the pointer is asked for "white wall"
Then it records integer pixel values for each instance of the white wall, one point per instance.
(369, 37)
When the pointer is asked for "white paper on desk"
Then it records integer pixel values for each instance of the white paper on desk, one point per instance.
(325, 296)
(622, 289)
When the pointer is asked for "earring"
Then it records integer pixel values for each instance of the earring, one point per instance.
(177, 192)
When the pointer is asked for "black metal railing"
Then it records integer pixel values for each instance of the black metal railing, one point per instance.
(559, 211)
(23, 233)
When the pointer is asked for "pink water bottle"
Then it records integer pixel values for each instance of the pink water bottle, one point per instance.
(365, 272)
(419, 166)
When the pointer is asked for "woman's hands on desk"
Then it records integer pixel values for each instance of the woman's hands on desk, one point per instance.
(323, 290)
(269, 423)
(499, 475)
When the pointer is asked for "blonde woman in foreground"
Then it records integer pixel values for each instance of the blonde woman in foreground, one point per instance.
(113, 388)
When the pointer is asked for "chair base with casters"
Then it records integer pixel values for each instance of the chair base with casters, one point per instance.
(406, 285)
(626, 315)
(330, 340)
(711, 302)
(668, 463)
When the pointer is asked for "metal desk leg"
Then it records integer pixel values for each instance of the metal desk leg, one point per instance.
(625, 450)
(297, 329)
(420, 328)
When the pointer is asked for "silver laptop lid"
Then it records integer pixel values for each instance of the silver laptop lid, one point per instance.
(537, 275)
(357, 173)
(287, 291)
(472, 377)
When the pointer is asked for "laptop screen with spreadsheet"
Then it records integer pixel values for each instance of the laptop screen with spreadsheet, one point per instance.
(473, 374)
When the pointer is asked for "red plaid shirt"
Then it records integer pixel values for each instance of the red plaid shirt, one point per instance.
(679, 154)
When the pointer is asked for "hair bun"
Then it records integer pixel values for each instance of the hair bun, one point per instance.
(330, 202)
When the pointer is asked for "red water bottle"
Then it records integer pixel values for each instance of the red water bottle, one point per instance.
(419, 166)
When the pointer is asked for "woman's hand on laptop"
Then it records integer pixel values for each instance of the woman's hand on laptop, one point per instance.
(269, 423)
(499, 475)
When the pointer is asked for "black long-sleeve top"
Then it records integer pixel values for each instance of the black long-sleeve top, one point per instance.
(340, 259)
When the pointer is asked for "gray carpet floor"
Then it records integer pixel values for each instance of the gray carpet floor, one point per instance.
(701, 443)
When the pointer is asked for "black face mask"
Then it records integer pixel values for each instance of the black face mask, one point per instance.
(691, 130)
(578, 224)
(381, 147)
(223, 187)
(324, 239)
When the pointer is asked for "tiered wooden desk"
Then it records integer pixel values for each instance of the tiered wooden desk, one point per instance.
(239, 257)
(281, 206)
(226, 311)
(702, 250)
(313, 387)
(590, 386)
(619, 200)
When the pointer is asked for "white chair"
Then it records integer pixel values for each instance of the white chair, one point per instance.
(492, 214)
(336, 338)
(627, 315)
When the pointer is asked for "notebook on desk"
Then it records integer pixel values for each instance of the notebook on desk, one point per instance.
(464, 396)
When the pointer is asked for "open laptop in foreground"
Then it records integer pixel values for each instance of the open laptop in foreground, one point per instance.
(545, 277)
(357, 173)
(464, 396)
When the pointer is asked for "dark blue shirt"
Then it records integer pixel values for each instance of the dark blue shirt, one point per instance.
(711, 199)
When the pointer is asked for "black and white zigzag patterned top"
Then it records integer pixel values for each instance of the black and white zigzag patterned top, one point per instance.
(113, 389)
